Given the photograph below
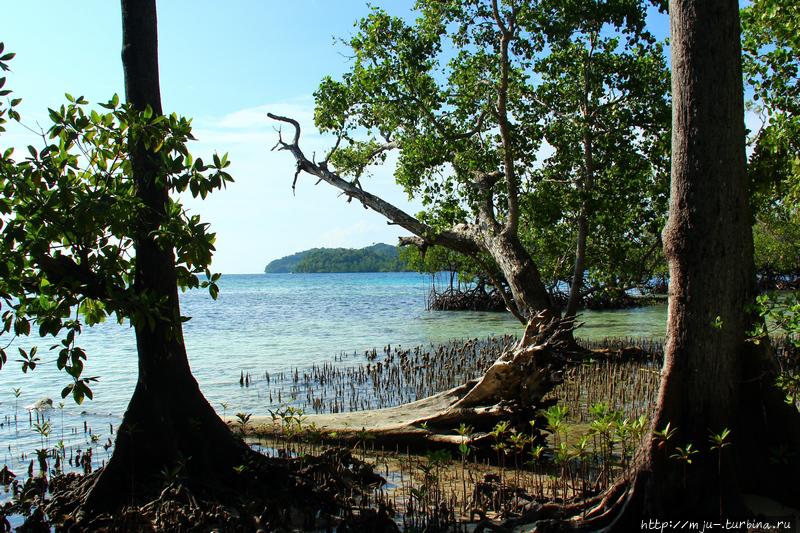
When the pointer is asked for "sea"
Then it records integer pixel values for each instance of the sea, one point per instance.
(261, 324)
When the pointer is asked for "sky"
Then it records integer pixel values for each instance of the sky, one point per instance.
(225, 65)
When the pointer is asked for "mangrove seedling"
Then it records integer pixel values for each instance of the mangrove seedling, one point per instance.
(242, 420)
(556, 416)
(17, 392)
(581, 452)
(719, 441)
(663, 436)
(535, 460)
(43, 429)
(517, 443)
(498, 433)
(361, 439)
(604, 425)
(684, 455)
(465, 431)
(562, 458)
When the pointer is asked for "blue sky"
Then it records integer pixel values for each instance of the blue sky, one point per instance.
(225, 65)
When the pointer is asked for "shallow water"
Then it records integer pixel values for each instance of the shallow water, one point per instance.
(263, 323)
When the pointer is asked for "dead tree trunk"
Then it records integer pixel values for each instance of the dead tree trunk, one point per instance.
(515, 385)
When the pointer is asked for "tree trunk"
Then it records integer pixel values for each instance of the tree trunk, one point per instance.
(168, 424)
(580, 265)
(713, 378)
(524, 280)
(585, 185)
(708, 244)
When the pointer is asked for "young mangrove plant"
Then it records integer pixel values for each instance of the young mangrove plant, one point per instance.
(718, 442)
(498, 433)
(684, 455)
(242, 421)
(465, 431)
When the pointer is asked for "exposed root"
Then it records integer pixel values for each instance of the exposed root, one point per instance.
(520, 378)
(307, 493)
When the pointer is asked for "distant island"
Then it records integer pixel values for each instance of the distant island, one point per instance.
(376, 258)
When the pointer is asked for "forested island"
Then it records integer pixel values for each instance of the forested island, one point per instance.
(379, 257)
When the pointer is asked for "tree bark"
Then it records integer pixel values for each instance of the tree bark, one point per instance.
(530, 295)
(712, 378)
(708, 244)
(168, 423)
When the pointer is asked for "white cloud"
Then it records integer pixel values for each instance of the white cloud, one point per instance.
(300, 109)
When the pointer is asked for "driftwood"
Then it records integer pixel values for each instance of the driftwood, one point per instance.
(520, 378)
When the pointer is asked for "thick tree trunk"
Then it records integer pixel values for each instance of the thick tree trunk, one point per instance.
(713, 378)
(169, 425)
(709, 247)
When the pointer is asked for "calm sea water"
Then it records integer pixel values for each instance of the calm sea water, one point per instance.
(266, 323)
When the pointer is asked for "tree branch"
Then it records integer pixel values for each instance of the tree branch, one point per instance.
(461, 238)
(512, 185)
(63, 270)
(484, 182)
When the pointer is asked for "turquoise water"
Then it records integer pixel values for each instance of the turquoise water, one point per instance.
(268, 323)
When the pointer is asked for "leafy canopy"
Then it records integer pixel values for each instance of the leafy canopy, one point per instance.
(431, 91)
(70, 219)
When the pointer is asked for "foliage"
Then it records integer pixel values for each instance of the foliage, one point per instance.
(71, 220)
(375, 258)
(776, 239)
(771, 61)
(604, 102)
(780, 315)
(284, 264)
(572, 74)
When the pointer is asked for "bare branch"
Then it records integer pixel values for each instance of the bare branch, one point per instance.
(392, 145)
(462, 238)
(339, 138)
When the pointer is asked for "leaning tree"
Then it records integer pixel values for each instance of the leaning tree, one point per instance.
(468, 97)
